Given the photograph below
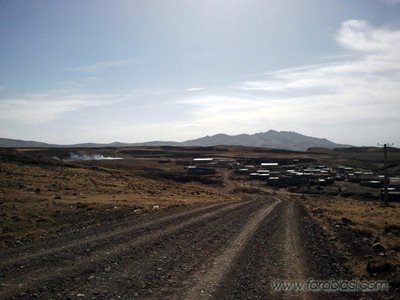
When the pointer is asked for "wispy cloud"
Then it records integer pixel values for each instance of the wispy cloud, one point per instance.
(195, 89)
(358, 35)
(104, 65)
(356, 92)
(338, 56)
(376, 62)
(48, 106)
(359, 89)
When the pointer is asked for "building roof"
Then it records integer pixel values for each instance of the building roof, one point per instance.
(269, 164)
(203, 159)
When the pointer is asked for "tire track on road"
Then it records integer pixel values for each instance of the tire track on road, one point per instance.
(69, 245)
(157, 270)
(276, 252)
(208, 283)
(32, 279)
(294, 267)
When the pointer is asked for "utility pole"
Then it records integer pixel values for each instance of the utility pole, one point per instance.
(303, 188)
(386, 182)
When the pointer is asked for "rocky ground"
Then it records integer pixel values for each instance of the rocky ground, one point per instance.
(37, 199)
(229, 250)
(102, 233)
(366, 233)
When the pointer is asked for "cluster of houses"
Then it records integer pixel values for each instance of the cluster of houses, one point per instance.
(370, 179)
(292, 173)
(363, 177)
(274, 174)
(208, 165)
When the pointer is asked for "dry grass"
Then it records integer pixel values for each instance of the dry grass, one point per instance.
(369, 219)
(36, 199)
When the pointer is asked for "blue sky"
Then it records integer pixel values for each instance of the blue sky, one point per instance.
(103, 71)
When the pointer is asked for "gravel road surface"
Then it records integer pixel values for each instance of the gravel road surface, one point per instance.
(230, 250)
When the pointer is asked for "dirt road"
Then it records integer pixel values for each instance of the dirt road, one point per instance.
(230, 250)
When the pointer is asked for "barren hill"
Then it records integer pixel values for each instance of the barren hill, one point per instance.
(270, 139)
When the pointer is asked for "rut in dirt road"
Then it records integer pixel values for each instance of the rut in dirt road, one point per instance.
(63, 263)
(124, 228)
(267, 247)
(208, 283)
(221, 251)
(274, 252)
(294, 262)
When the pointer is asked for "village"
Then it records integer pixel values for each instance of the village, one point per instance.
(292, 174)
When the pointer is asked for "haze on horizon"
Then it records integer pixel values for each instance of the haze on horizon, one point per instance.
(134, 71)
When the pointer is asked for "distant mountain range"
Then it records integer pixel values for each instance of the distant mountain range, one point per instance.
(270, 139)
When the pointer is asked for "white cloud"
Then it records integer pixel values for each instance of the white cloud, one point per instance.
(104, 65)
(358, 89)
(376, 63)
(195, 89)
(353, 98)
(48, 106)
(358, 35)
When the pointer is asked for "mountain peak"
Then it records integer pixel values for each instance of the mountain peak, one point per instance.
(288, 140)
